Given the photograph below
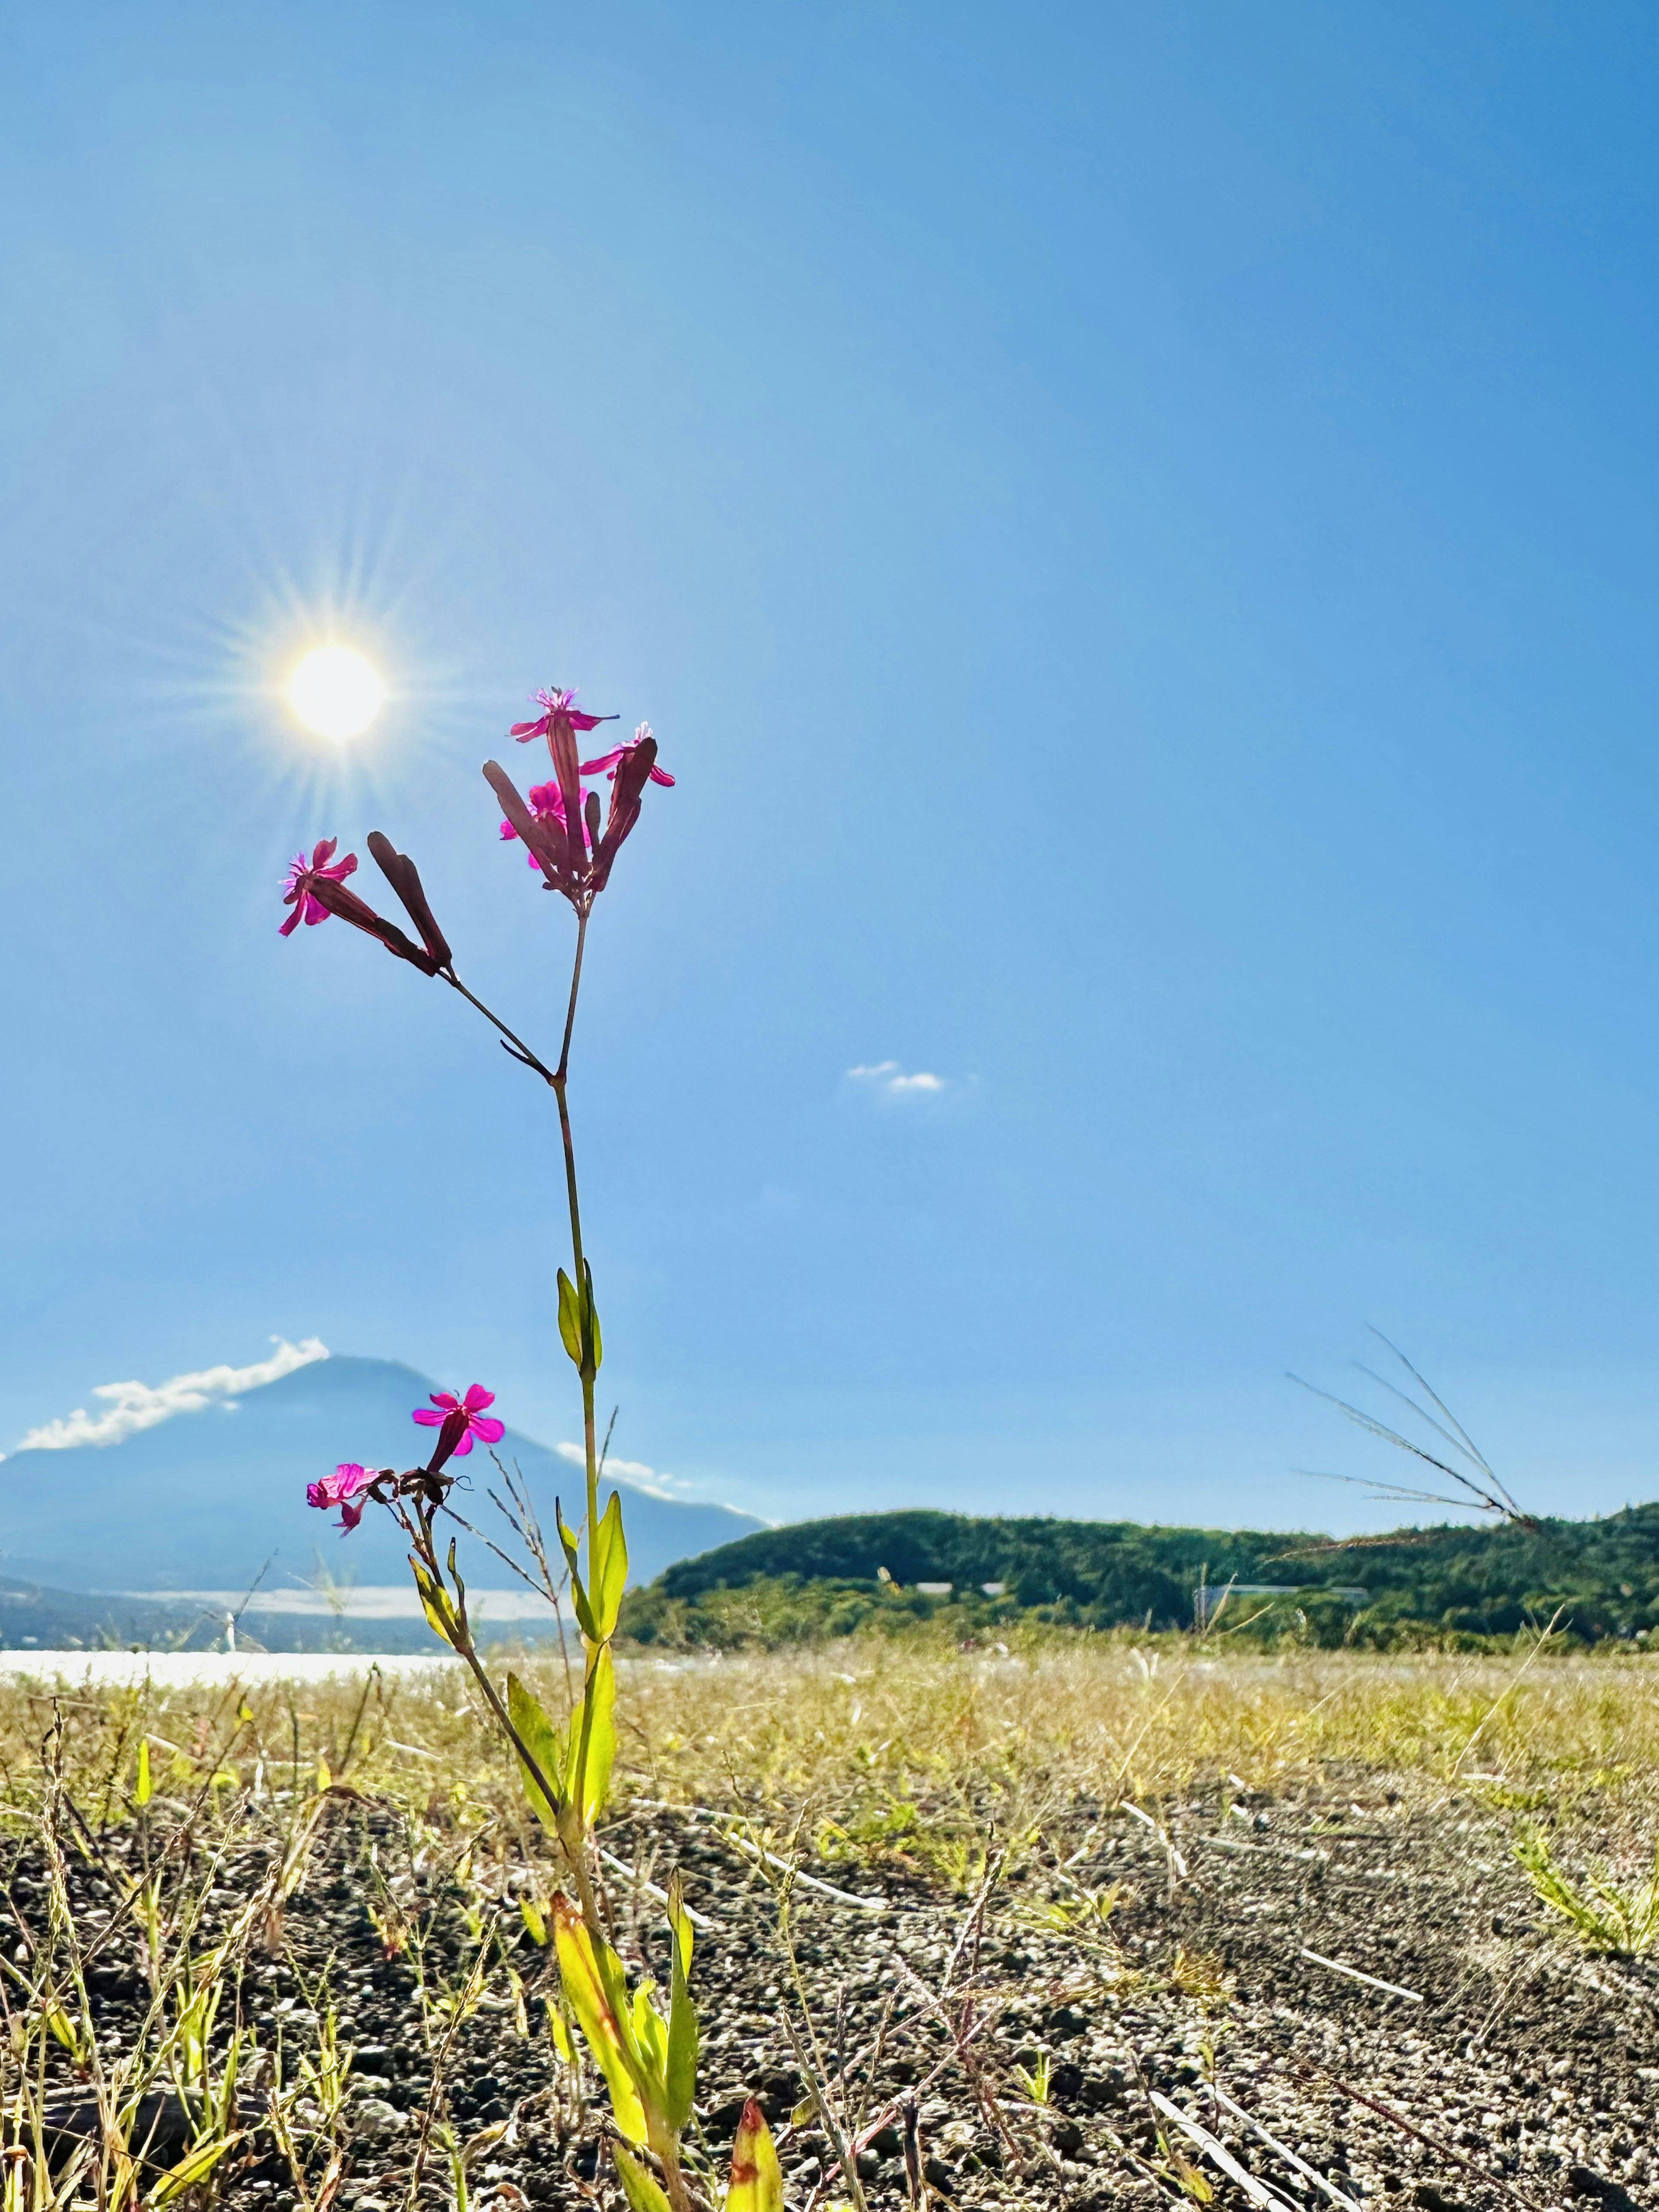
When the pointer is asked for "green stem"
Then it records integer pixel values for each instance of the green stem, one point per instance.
(580, 1276)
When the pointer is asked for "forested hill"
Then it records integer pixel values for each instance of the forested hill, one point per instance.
(1603, 1576)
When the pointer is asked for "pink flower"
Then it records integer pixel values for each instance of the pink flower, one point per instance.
(339, 1489)
(578, 860)
(609, 761)
(546, 807)
(298, 885)
(316, 890)
(458, 1421)
(558, 706)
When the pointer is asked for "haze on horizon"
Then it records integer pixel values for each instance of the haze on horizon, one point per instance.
(1134, 529)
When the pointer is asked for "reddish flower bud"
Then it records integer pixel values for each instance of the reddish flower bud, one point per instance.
(401, 873)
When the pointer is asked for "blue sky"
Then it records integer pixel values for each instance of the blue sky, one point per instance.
(1135, 527)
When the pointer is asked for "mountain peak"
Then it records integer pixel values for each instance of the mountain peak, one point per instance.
(131, 1406)
(205, 1494)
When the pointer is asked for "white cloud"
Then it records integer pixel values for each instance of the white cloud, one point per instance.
(129, 1406)
(634, 1471)
(887, 1079)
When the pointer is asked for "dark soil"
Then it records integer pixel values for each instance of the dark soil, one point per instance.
(1527, 2073)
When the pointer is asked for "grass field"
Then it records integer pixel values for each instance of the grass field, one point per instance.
(1125, 1920)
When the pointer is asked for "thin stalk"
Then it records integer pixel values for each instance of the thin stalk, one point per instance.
(464, 1649)
(560, 1079)
(516, 1044)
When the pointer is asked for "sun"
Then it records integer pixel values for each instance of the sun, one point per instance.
(335, 691)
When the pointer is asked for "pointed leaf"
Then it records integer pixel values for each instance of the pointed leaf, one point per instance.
(194, 2168)
(609, 1562)
(434, 1600)
(541, 1740)
(594, 1738)
(680, 2071)
(756, 2181)
(650, 2039)
(593, 1344)
(585, 1993)
(643, 2193)
(144, 1789)
(570, 1318)
(578, 1588)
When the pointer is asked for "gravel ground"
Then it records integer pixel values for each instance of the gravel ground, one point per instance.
(1047, 2047)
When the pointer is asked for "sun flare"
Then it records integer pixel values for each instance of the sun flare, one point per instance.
(334, 691)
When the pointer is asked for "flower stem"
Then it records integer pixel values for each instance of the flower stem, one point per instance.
(515, 1045)
(559, 1081)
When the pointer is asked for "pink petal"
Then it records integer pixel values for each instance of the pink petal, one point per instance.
(478, 1398)
(323, 852)
(424, 1417)
(465, 1445)
(661, 775)
(315, 911)
(604, 761)
(287, 928)
(489, 1428)
(507, 831)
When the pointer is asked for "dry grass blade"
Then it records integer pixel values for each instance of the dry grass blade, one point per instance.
(1257, 2192)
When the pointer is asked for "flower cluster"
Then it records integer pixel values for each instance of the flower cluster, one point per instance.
(560, 823)
(457, 1421)
(316, 889)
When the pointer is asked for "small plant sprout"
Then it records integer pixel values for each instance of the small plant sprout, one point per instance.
(1606, 1915)
(649, 2058)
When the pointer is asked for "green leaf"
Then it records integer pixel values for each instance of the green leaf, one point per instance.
(541, 1740)
(530, 1913)
(680, 2071)
(594, 1738)
(144, 1789)
(434, 1600)
(578, 1588)
(650, 2040)
(609, 2041)
(642, 2192)
(570, 1318)
(608, 1559)
(591, 1320)
(194, 2168)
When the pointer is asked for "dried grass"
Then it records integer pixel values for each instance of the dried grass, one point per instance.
(849, 1729)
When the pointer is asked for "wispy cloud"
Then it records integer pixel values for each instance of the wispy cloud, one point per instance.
(673, 1487)
(129, 1406)
(887, 1079)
